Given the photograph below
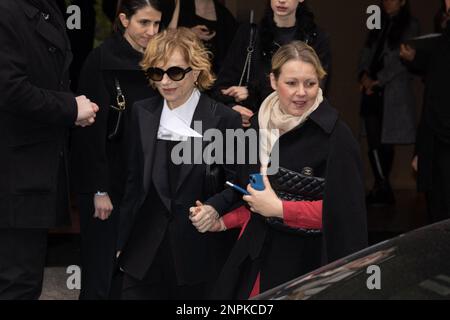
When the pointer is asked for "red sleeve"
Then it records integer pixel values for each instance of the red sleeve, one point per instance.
(303, 214)
(236, 218)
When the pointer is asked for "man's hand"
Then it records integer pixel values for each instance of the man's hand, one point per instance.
(203, 217)
(238, 93)
(86, 111)
(245, 113)
(103, 207)
(407, 53)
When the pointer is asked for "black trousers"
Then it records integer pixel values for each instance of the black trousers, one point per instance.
(438, 197)
(381, 155)
(98, 250)
(22, 263)
(160, 282)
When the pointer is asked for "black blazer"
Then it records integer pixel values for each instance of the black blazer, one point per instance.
(36, 111)
(148, 210)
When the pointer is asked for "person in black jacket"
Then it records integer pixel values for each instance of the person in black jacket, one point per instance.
(433, 138)
(36, 112)
(213, 23)
(294, 226)
(284, 21)
(161, 253)
(113, 78)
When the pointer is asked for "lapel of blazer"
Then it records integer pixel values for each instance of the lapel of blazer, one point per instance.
(204, 114)
(149, 124)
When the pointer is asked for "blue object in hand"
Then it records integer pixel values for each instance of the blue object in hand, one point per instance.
(256, 181)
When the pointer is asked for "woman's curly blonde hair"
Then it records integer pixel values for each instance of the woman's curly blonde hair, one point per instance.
(165, 43)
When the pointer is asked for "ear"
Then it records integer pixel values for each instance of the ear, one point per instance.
(273, 81)
(124, 20)
(196, 75)
(301, 1)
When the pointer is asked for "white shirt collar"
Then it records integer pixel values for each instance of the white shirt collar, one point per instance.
(175, 124)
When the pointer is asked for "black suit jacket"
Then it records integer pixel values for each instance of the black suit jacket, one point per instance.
(148, 210)
(36, 111)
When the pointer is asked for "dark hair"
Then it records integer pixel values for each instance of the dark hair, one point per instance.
(130, 7)
(400, 24)
(304, 20)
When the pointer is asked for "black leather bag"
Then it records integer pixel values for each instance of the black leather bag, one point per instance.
(293, 186)
(116, 114)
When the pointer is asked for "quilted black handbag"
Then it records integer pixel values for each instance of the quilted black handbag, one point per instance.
(293, 186)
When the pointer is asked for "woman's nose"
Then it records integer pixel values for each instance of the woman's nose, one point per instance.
(165, 79)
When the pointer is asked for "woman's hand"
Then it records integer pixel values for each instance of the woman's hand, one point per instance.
(407, 53)
(203, 217)
(218, 226)
(238, 93)
(245, 113)
(203, 32)
(367, 84)
(103, 207)
(266, 202)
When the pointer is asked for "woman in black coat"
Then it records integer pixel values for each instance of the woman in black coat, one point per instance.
(283, 22)
(289, 229)
(213, 23)
(162, 255)
(388, 107)
(433, 138)
(112, 77)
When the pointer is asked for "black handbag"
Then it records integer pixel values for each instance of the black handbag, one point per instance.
(116, 114)
(293, 186)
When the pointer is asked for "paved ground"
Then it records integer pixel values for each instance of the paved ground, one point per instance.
(55, 285)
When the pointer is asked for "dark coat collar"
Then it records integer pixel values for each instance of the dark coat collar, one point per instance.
(118, 54)
(325, 116)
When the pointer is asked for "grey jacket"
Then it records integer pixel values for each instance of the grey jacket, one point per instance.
(399, 116)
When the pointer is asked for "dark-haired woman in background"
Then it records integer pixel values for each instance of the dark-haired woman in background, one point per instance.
(387, 105)
(284, 21)
(111, 76)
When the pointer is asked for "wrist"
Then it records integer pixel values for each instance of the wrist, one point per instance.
(280, 209)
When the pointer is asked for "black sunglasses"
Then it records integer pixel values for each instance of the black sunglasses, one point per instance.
(174, 73)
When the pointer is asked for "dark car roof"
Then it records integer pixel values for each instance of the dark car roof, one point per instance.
(415, 265)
